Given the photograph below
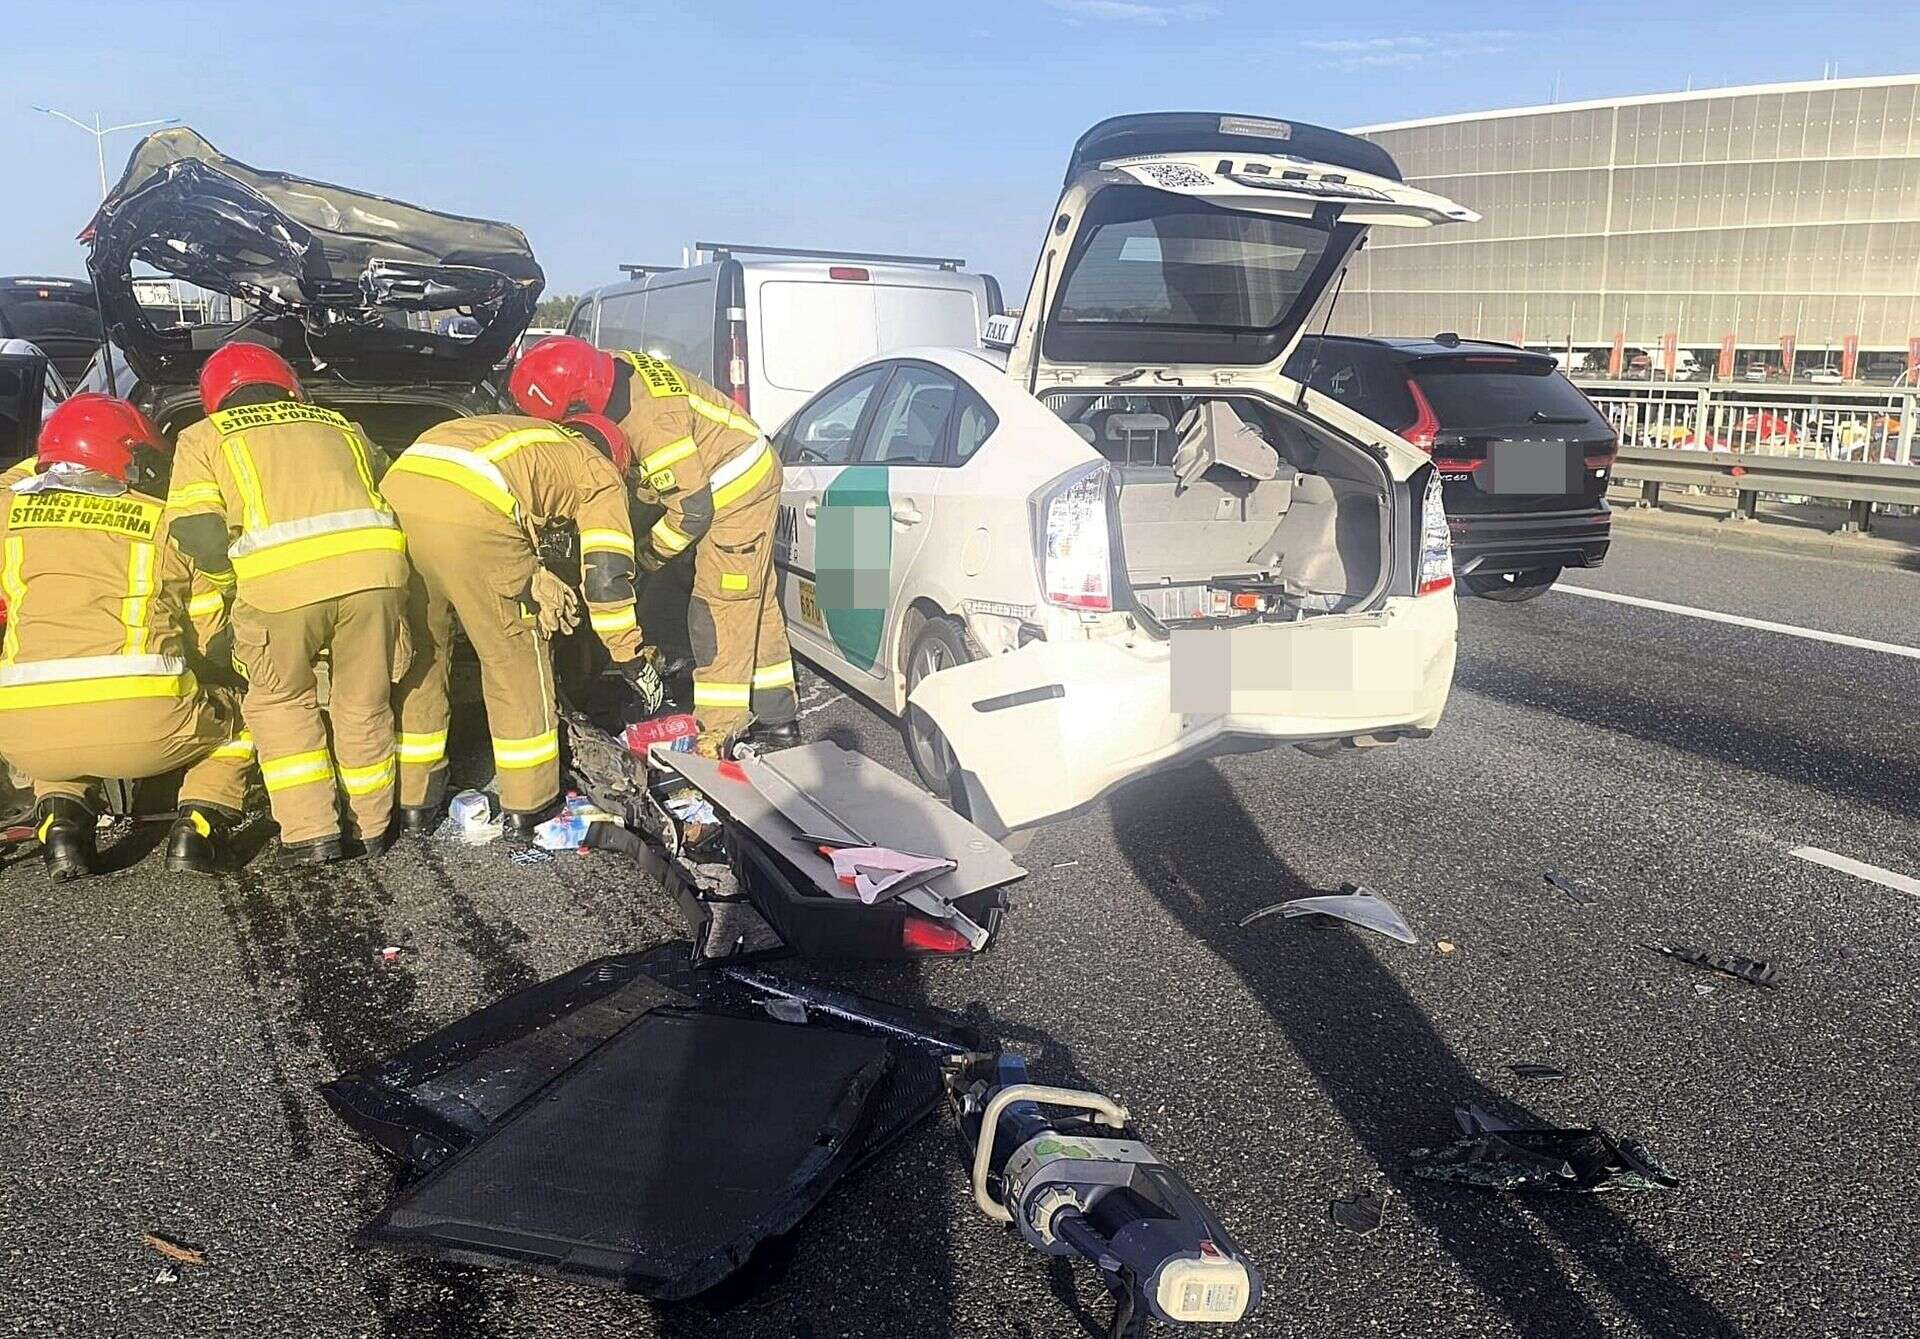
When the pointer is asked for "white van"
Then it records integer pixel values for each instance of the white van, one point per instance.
(772, 325)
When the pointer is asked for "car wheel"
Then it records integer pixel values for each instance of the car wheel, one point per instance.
(940, 644)
(1514, 587)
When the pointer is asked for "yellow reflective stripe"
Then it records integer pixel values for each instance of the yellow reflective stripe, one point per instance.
(668, 540)
(622, 619)
(297, 769)
(375, 776)
(247, 480)
(204, 494)
(199, 822)
(721, 694)
(239, 748)
(732, 492)
(532, 752)
(669, 454)
(735, 581)
(660, 377)
(606, 541)
(224, 580)
(46, 826)
(78, 692)
(774, 676)
(139, 598)
(454, 466)
(500, 448)
(423, 749)
(363, 466)
(15, 587)
(206, 604)
(725, 415)
(253, 566)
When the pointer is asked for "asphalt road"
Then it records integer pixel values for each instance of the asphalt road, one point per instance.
(163, 1037)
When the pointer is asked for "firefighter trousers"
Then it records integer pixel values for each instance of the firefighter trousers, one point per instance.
(743, 669)
(365, 635)
(476, 574)
(68, 749)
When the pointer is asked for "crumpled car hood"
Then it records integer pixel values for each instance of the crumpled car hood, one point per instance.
(332, 271)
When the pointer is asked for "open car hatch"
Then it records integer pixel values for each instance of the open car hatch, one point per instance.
(332, 272)
(1200, 246)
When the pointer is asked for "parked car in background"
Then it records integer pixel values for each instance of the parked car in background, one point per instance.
(59, 316)
(30, 387)
(1757, 372)
(533, 335)
(771, 325)
(1523, 456)
(1124, 542)
(1825, 376)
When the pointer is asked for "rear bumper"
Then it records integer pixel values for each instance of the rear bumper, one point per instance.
(1517, 541)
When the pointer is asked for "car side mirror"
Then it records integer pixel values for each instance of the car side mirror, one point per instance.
(22, 383)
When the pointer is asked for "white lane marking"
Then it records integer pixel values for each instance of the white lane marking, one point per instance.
(1715, 616)
(1860, 869)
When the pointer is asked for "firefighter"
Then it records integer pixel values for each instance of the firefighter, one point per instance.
(707, 465)
(281, 498)
(104, 616)
(473, 495)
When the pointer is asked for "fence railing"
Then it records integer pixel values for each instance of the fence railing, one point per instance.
(1822, 423)
(1748, 476)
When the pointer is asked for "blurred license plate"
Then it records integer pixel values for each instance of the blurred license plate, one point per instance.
(1555, 467)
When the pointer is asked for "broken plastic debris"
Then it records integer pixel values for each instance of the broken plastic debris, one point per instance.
(392, 953)
(531, 855)
(1528, 1069)
(1361, 1213)
(878, 872)
(177, 1251)
(1578, 894)
(169, 1273)
(690, 806)
(1751, 970)
(1353, 904)
(786, 1010)
(1497, 1155)
(1445, 946)
(1701, 992)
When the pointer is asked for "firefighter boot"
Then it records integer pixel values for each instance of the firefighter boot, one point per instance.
(761, 739)
(198, 842)
(65, 831)
(519, 824)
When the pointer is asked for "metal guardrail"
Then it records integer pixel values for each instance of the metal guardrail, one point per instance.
(1860, 484)
(1796, 420)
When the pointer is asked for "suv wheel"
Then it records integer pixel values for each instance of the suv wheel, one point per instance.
(1514, 587)
(940, 644)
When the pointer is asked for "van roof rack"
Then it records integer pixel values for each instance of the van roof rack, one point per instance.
(642, 271)
(803, 253)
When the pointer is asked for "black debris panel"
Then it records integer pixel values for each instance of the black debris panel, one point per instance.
(1498, 1155)
(637, 1123)
(1751, 970)
(1577, 893)
(1360, 1213)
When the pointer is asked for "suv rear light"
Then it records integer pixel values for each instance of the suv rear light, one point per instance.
(920, 935)
(1426, 424)
(1076, 554)
(1436, 542)
(737, 358)
(853, 272)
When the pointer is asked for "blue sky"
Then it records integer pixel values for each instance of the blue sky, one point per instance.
(621, 132)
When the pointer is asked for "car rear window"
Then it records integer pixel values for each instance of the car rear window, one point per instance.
(61, 314)
(1472, 394)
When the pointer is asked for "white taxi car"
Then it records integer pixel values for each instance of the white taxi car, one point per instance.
(1125, 540)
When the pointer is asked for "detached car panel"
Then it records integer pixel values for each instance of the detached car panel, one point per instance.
(332, 271)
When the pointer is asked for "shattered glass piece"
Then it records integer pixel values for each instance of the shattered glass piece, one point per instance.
(1353, 904)
(1578, 894)
(1497, 1156)
(1362, 1213)
(785, 1010)
(1528, 1069)
(1751, 970)
(1701, 992)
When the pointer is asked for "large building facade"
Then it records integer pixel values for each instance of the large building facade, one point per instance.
(1734, 218)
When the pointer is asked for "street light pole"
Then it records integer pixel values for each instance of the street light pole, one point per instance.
(100, 133)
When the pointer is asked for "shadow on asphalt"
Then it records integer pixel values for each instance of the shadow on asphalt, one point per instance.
(1708, 730)
(1386, 1070)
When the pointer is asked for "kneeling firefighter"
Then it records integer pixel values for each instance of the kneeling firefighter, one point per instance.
(717, 479)
(104, 616)
(282, 498)
(473, 496)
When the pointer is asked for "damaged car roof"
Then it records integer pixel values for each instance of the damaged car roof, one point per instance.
(332, 271)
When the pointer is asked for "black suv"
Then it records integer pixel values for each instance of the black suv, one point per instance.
(1524, 457)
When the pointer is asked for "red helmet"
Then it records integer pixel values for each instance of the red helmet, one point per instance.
(559, 375)
(242, 364)
(604, 433)
(99, 432)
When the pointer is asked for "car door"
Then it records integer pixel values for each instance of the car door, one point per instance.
(875, 515)
(816, 444)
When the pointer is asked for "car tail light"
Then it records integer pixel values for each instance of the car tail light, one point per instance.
(737, 358)
(853, 272)
(1426, 424)
(1436, 542)
(920, 935)
(1076, 556)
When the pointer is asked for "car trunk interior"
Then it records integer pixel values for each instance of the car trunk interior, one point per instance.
(1231, 507)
